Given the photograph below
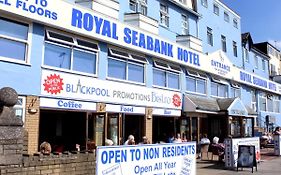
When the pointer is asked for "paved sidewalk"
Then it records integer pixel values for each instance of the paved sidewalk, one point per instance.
(269, 165)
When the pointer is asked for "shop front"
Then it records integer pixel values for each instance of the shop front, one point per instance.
(78, 110)
(222, 118)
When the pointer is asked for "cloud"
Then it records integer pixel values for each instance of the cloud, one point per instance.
(275, 43)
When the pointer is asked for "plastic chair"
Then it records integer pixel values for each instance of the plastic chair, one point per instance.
(204, 149)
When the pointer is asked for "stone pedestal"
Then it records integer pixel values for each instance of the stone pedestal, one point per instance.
(11, 130)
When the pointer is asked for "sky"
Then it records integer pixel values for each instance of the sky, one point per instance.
(262, 18)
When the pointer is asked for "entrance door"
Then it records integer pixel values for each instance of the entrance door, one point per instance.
(133, 125)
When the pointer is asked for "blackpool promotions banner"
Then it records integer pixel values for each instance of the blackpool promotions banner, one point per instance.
(160, 159)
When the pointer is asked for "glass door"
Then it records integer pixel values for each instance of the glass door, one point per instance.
(113, 128)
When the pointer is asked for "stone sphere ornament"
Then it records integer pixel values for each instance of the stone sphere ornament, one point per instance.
(8, 97)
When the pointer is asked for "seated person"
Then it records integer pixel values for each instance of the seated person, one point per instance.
(218, 148)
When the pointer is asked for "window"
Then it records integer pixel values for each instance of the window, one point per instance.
(234, 90)
(223, 43)
(210, 36)
(125, 66)
(71, 53)
(196, 82)
(164, 15)
(262, 102)
(184, 24)
(235, 23)
(254, 100)
(216, 9)
(226, 17)
(218, 89)
(19, 108)
(13, 40)
(166, 75)
(138, 6)
(204, 3)
(256, 62)
(234, 48)
(263, 64)
(276, 104)
(245, 55)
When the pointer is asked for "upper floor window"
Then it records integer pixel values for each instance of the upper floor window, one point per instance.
(223, 43)
(164, 15)
(218, 89)
(126, 66)
(245, 55)
(204, 3)
(139, 6)
(166, 75)
(234, 48)
(256, 61)
(235, 23)
(196, 82)
(263, 64)
(184, 24)
(226, 17)
(13, 40)
(254, 100)
(216, 9)
(210, 36)
(70, 52)
(19, 108)
(234, 90)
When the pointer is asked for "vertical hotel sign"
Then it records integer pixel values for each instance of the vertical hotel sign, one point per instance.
(64, 85)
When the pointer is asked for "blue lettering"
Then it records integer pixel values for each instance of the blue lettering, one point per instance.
(116, 156)
(98, 22)
(142, 40)
(188, 57)
(149, 43)
(127, 37)
(88, 22)
(106, 29)
(76, 18)
(5, 2)
(134, 38)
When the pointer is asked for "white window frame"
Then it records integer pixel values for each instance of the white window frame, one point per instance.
(164, 15)
(210, 36)
(235, 51)
(21, 107)
(196, 76)
(204, 3)
(72, 46)
(221, 82)
(184, 24)
(216, 9)
(226, 16)
(27, 42)
(263, 64)
(223, 43)
(235, 23)
(256, 58)
(139, 5)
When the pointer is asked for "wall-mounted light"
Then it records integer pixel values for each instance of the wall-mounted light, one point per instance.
(32, 110)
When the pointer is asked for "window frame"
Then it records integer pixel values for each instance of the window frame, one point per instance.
(72, 46)
(196, 76)
(21, 107)
(210, 36)
(219, 84)
(226, 16)
(27, 42)
(164, 15)
(167, 69)
(130, 59)
(263, 64)
(223, 43)
(185, 24)
(138, 5)
(235, 51)
(204, 3)
(256, 58)
(216, 9)
(235, 23)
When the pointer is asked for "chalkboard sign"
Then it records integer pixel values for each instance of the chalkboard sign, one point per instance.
(246, 157)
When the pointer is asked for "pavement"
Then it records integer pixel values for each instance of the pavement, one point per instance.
(269, 165)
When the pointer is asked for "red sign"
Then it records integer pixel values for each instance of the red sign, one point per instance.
(53, 84)
(176, 100)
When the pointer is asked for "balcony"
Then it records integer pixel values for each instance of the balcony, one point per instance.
(106, 7)
(190, 41)
(142, 21)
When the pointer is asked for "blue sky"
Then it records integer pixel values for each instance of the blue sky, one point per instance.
(262, 18)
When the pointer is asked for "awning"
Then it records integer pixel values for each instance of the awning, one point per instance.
(194, 103)
(251, 112)
(231, 106)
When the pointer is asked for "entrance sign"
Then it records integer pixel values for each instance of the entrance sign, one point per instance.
(232, 149)
(246, 157)
(168, 159)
